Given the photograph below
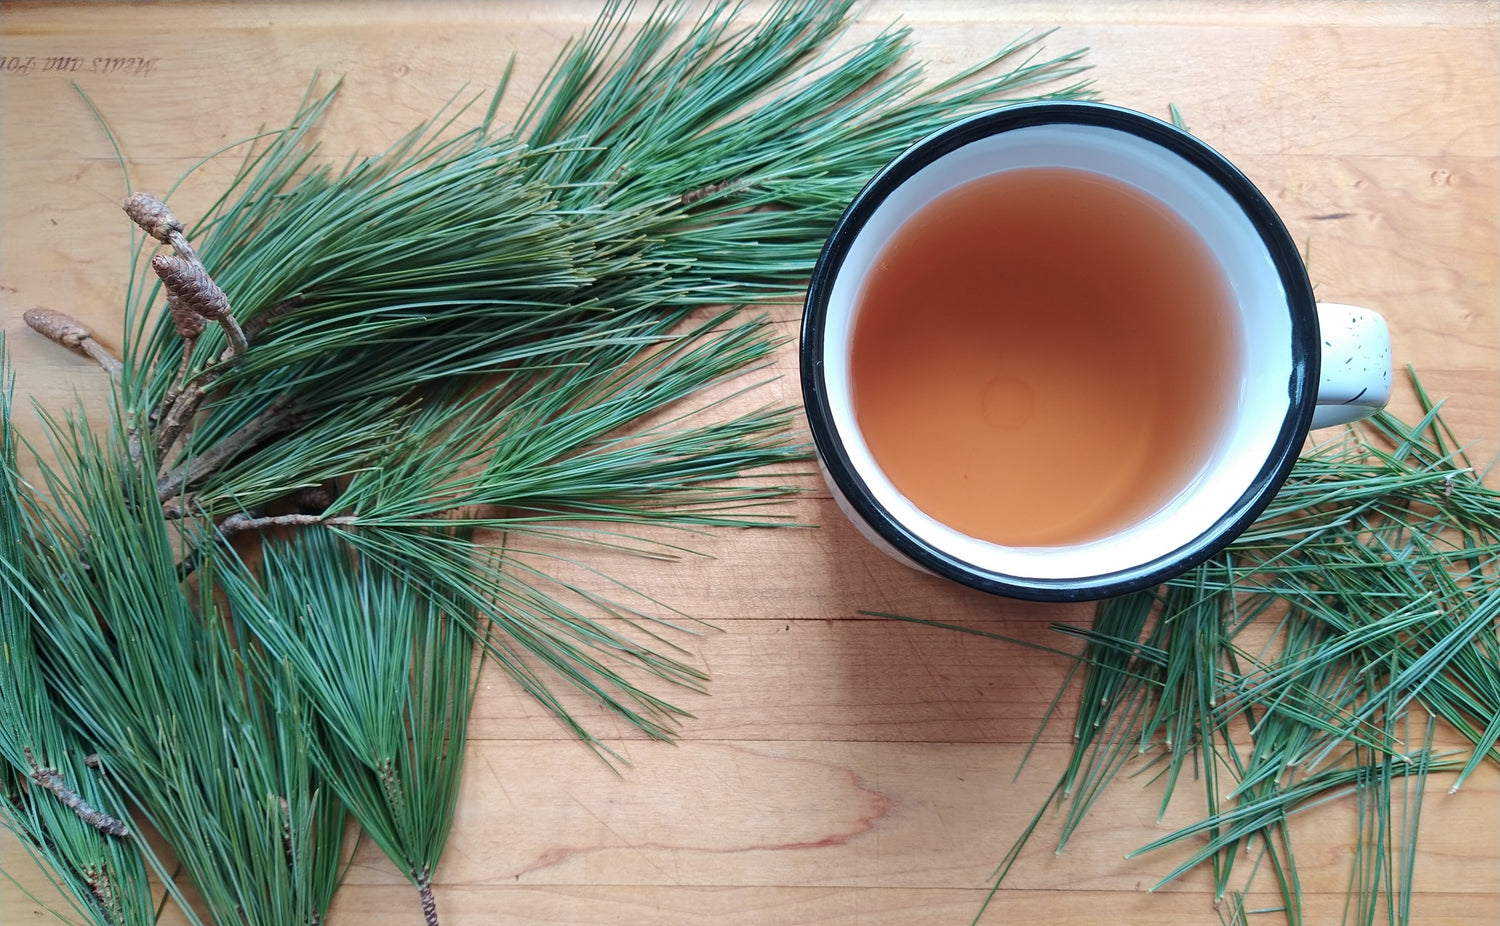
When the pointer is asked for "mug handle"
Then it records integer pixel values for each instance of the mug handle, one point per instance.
(1356, 379)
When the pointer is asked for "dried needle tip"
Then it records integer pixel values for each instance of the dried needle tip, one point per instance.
(57, 326)
(153, 216)
(191, 284)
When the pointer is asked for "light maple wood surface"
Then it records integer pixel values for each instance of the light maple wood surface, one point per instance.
(844, 769)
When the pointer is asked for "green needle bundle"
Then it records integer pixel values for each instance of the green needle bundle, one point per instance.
(388, 675)
(357, 409)
(209, 745)
(1311, 662)
(49, 793)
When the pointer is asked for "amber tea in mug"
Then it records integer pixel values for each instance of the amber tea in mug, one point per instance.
(1065, 351)
(1043, 356)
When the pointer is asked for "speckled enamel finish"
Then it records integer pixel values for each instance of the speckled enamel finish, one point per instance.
(1355, 381)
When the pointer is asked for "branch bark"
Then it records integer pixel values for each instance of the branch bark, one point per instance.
(52, 780)
(236, 523)
(200, 467)
(429, 903)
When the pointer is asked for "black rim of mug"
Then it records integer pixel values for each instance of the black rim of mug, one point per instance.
(1301, 385)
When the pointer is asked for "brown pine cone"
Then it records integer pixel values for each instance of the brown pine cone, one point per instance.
(57, 326)
(189, 323)
(192, 285)
(152, 215)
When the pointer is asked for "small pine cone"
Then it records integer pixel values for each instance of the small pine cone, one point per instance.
(57, 326)
(152, 215)
(314, 500)
(192, 285)
(189, 323)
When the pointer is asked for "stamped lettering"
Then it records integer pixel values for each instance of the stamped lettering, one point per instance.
(136, 67)
(110, 65)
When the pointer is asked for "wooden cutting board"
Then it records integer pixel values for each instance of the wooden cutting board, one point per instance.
(845, 770)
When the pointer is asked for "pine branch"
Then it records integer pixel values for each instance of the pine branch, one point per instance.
(483, 328)
(66, 827)
(388, 672)
(205, 747)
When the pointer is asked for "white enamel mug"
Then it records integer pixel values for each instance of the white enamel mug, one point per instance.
(1303, 365)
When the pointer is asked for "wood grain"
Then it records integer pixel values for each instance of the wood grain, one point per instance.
(845, 769)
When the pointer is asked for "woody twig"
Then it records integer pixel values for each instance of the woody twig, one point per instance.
(191, 471)
(52, 780)
(238, 523)
(263, 319)
(424, 891)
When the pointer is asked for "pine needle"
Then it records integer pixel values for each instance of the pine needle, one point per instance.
(469, 330)
(388, 676)
(53, 796)
(460, 366)
(1288, 670)
(212, 751)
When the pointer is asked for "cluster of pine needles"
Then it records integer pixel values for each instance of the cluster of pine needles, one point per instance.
(1312, 662)
(360, 410)
(369, 420)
